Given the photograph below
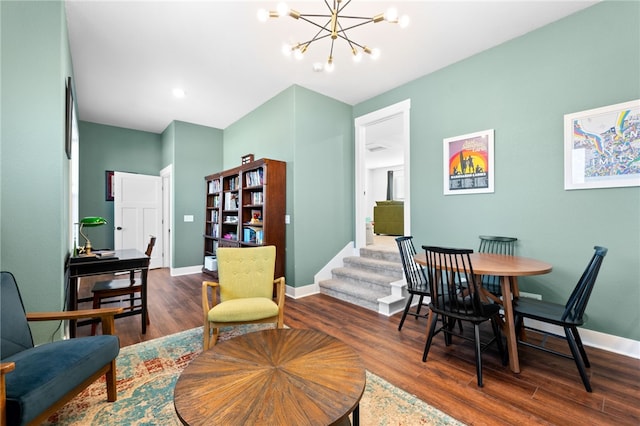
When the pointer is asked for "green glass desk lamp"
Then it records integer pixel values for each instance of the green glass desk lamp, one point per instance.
(90, 221)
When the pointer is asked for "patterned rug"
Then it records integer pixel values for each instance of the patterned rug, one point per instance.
(148, 371)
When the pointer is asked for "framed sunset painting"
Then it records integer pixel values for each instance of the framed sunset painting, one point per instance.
(468, 163)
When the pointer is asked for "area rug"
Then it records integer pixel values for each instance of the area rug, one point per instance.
(148, 371)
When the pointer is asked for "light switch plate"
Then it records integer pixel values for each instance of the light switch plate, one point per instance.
(188, 218)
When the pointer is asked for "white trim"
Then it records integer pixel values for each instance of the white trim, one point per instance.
(360, 124)
(187, 270)
(335, 262)
(304, 291)
(596, 339)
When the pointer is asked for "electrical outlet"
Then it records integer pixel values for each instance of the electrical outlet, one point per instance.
(287, 219)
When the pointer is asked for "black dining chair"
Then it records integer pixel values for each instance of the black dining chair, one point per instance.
(497, 245)
(569, 316)
(457, 296)
(416, 280)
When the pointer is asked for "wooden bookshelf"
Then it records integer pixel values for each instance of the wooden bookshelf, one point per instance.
(245, 207)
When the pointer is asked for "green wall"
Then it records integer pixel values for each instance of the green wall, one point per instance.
(34, 169)
(193, 151)
(197, 153)
(522, 89)
(313, 134)
(112, 148)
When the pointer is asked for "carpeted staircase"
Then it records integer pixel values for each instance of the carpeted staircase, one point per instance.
(372, 280)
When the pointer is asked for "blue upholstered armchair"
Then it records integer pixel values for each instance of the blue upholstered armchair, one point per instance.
(36, 381)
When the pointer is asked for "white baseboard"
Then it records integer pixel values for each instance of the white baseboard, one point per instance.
(187, 270)
(596, 339)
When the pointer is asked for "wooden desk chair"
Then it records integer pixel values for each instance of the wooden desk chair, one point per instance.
(245, 293)
(569, 316)
(497, 245)
(108, 292)
(457, 296)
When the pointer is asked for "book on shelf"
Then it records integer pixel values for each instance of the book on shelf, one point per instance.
(254, 177)
(234, 183)
(253, 235)
(257, 198)
(230, 201)
(214, 186)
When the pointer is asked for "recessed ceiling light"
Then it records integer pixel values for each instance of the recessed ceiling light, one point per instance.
(178, 93)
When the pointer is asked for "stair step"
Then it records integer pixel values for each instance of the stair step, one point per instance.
(361, 296)
(363, 278)
(378, 266)
(388, 253)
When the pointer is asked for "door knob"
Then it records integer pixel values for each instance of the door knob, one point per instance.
(119, 228)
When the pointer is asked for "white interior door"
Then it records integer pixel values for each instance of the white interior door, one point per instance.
(137, 204)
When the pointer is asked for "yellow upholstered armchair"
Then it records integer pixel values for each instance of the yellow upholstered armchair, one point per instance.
(245, 293)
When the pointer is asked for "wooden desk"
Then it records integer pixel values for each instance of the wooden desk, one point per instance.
(508, 268)
(272, 377)
(124, 261)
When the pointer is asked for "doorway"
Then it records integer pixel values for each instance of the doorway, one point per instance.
(364, 125)
(138, 213)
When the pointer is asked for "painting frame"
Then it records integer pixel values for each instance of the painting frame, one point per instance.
(473, 174)
(602, 147)
(108, 179)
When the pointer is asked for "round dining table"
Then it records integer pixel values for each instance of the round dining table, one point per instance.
(508, 268)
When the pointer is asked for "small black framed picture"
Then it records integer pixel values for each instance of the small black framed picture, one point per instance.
(69, 117)
(108, 179)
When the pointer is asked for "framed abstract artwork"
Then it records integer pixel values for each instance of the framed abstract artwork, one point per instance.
(602, 147)
(468, 163)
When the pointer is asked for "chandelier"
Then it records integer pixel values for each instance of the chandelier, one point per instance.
(334, 25)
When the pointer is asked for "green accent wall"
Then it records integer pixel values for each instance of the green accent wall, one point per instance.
(111, 148)
(314, 135)
(34, 169)
(522, 89)
(197, 152)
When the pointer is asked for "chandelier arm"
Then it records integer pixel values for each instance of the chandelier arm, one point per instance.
(316, 38)
(343, 6)
(325, 27)
(357, 25)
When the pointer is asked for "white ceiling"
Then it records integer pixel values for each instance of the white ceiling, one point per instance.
(128, 56)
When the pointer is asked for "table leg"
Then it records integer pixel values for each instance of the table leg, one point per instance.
(509, 324)
(143, 296)
(356, 416)
(72, 304)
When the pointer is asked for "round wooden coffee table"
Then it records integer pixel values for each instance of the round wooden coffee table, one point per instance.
(276, 377)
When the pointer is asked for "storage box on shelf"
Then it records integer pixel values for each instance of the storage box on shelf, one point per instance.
(246, 208)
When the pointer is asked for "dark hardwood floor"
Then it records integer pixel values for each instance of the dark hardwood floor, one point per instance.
(547, 391)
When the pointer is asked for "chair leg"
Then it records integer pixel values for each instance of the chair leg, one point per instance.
(476, 332)
(96, 305)
(112, 390)
(498, 336)
(419, 306)
(431, 328)
(576, 336)
(406, 310)
(577, 358)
